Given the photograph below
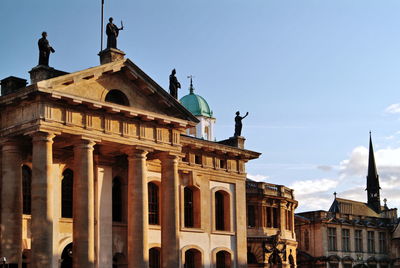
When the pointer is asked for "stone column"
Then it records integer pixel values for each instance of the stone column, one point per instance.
(169, 211)
(11, 202)
(138, 212)
(282, 218)
(83, 205)
(42, 200)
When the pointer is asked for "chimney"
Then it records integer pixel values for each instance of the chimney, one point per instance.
(11, 84)
(110, 55)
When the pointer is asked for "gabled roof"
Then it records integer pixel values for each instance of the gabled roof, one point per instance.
(352, 207)
(163, 105)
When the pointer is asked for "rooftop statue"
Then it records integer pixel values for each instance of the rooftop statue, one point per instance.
(44, 50)
(112, 32)
(173, 84)
(238, 123)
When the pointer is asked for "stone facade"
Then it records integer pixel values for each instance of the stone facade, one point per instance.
(271, 239)
(339, 240)
(351, 233)
(96, 172)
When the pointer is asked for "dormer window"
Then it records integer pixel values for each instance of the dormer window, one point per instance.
(117, 97)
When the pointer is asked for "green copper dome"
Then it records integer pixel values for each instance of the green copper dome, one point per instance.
(196, 104)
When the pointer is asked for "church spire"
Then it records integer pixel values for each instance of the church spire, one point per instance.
(373, 187)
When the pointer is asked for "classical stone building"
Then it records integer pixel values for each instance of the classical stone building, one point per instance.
(351, 233)
(271, 240)
(96, 171)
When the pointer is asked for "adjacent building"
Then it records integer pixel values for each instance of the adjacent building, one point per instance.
(97, 170)
(350, 233)
(271, 239)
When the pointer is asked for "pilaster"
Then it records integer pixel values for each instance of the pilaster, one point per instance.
(138, 220)
(11, 202)
(83, 205)
(282, 216)
(169, 211)
(42, 200)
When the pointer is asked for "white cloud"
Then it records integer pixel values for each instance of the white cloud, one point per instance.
(393, 109)
(258, 177)
(307, 187)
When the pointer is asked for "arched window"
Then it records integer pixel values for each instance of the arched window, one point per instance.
(223, 259)
(192, 258)
(26, 189)
(189, 207)
(66, 257)
(117, 97)
(154, 258)
(117, 200)
(222, 211)
(251, 258)
(153, 203)
(67, 193)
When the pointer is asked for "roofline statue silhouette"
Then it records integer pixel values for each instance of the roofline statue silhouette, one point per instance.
(174, 84)
(44, 50)
(112, 32)
(238, 123)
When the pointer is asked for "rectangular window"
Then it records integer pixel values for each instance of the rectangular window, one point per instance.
(268, 217)
(289, 219)
(222, 163)
(275, 217)
(251, 216)
(382, 243)
(346, 240)
(197, 159)
(371, 241)
(358, 240)
(332, 239)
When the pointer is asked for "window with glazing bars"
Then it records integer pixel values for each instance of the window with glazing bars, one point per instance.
(371, 241)
(382, 243)
(67, 194)
(189, 207)
(26, 189)
(117, 200)
(346, 240)
(251, 216)
(153, 204)
(332, 239)
(358, 241)
(219, 211)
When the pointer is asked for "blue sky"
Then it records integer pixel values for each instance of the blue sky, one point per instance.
(315, 76)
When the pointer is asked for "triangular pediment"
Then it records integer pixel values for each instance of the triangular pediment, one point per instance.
(143, 94)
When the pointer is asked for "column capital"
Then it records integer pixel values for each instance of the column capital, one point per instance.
(42, 136)
(137, 152)
(283, 203)
(169, 156)
(84, 143)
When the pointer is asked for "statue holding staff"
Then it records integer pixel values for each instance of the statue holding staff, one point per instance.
(112, 32)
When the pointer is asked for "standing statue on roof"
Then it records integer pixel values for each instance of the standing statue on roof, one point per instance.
(174, 84)
(238, 123)
(44, 50)
(112, 32)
